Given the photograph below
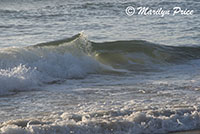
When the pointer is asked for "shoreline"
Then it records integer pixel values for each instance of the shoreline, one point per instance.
(186, 132)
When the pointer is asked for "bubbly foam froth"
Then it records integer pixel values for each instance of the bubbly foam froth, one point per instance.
(29, 67)
(106, 122)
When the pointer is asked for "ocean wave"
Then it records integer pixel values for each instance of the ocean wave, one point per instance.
(142, 53)
(28, 67)
(23, 68)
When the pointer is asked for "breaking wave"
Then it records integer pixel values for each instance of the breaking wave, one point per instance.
(26, 68)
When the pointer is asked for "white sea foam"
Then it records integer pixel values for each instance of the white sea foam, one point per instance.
(106, 122)
(29, 67)
(19, 77)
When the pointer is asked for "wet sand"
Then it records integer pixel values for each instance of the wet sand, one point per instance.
(187, 132)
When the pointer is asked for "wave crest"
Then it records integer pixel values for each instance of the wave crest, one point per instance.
(25, 68)
(76, 57)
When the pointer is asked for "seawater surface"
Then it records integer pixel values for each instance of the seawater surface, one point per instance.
(122, 75)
